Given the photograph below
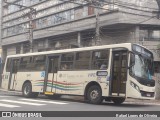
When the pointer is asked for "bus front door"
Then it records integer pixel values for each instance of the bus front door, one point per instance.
(119, 73)
(13, 74)
(51, 77)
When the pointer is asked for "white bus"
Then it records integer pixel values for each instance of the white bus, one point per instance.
(109, 72)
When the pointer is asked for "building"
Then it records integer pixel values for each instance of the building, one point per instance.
(60, 24)
(0, 43)
(0, 21)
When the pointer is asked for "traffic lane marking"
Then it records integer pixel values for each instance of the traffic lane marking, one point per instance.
(142, 103)
(43, 101)
(21, 102)
(8, 105)
(5, 96)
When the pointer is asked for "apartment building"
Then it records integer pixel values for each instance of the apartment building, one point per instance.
(59, 24)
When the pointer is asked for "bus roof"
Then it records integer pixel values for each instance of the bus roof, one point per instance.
(126, 45)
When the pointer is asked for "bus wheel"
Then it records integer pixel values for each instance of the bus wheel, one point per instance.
(27, 90)
(118, 101)
(94, 94)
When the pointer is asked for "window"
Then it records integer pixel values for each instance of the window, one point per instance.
(147, 35)
(90, 10)
(82, 60)
(12, 65)
(67, 61)
(154, 34)
(100, 59)
(78, 13)
(8, 66)
(53, 64)
(18, 49)
(26, 64)
(35, 63)
(15, 65)
(39, 63)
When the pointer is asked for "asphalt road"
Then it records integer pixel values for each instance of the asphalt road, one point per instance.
(42, 103)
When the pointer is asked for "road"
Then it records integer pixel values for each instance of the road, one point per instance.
(42, 103)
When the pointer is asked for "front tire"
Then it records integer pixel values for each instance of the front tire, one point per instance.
(94, 94)
(27, 91)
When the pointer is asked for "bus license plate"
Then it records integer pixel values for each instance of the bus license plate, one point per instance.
(148, 95)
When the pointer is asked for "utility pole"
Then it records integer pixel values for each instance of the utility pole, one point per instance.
(98, 38)
(31, 15)
(158, 14)
(97, 4)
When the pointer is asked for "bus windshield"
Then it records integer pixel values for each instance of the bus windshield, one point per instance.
(142, 67)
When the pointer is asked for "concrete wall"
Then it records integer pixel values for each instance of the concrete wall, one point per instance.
(0, 39)
(0, 20)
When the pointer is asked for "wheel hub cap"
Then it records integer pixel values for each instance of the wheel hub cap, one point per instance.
(94, 94)
(26, 90)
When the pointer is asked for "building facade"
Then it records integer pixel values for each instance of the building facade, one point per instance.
(0, 21)
(59, 24)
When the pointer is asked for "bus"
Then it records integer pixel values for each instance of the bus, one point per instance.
(108, 72)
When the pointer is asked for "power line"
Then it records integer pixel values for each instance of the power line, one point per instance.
(87, 3)
(30, 15)
(108, 3)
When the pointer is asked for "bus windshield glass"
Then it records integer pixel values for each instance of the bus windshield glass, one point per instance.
(142, 67)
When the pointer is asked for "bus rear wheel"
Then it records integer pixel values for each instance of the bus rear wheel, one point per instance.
(118, 101)
(27, 91)
(94, 94)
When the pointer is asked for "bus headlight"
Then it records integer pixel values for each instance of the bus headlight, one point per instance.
(134, 86)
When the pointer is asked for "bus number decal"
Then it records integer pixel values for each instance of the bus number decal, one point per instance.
(102, 73)
(92, 75)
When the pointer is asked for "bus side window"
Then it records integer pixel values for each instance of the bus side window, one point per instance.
(100, 59)
(67, 61)
(15, 65)
(24, 63)
(39, 62)
(8, 66)
(82, 60)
